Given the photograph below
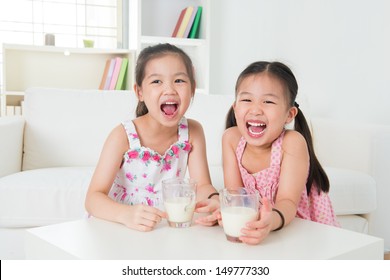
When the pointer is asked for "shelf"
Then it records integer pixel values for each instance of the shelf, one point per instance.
(18, 93)
(155, 22)
(49, 66)
(174, 41)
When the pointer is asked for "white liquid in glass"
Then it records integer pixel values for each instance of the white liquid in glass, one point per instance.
(179, 209)
(234, 219)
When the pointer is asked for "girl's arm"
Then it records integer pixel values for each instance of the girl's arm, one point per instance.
(98, 203)
(231, 171)
(293, 176)
(197, 161)
(199, 170)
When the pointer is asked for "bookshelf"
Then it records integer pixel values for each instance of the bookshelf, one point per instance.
(156, 20)
(48, 66)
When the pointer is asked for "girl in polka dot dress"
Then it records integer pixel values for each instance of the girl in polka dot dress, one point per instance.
(160, 143)
(261, 155)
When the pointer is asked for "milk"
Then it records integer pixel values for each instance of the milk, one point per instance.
(234, 219)
(179, 209)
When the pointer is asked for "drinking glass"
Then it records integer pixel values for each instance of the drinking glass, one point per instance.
(179, 196)
(238, 207)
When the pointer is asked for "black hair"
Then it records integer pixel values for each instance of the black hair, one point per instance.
(156, 51)
(281, 71)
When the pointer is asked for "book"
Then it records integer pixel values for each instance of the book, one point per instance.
(194, 33)
(190, 22)
(184, 22)
(174, 33)
(10, 110)
(105, 72)
(120, 84)
(18, 110)
(115, 73)
(109, 74)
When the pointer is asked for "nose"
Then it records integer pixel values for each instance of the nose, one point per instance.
(169, 88)
(256, 109)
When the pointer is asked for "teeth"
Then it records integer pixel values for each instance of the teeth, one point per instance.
(256, 124)
(170, 103)
(256, 133)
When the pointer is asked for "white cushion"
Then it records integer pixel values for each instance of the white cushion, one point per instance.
(43, 196)
(211, 110)
(354, 223)
(351, 192)
(11, 148)
(68, 127)
(216, 174)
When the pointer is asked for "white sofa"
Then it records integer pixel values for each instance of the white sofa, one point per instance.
(47, 158)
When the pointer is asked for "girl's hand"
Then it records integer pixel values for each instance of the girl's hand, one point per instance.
(210, 206)
(142, 217)
(257, 231)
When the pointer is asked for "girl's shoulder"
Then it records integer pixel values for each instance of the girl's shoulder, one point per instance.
(194, 124)
(231, 136)
(294, 142)
(118, 138)
(195, 129)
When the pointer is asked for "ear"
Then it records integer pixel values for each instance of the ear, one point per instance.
(234, 105)
(138, 92)
(292, 112)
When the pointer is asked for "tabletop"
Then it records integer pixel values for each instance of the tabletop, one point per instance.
(94, 238)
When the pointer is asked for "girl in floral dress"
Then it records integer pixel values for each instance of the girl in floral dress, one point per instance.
(261, 155)
(159, 144)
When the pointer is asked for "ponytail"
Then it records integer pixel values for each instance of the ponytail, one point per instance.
(230, 118)
(317, 174)
(141, 109)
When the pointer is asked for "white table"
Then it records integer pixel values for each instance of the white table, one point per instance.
(98, 239)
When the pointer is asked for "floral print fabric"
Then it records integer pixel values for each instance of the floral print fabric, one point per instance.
(139, 179)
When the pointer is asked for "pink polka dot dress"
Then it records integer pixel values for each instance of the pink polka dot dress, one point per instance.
(139, 180)
(316, 207)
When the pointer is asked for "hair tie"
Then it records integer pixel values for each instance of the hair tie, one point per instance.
(296, 104)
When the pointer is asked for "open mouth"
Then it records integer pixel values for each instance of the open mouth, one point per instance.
(256, 128)
(169, 108)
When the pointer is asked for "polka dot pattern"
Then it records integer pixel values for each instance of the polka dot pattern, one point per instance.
(315, 206)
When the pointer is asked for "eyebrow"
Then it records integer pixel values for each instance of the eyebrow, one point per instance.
(264, 95)
(153, 75)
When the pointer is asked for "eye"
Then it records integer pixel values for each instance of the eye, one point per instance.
(269, 102)
(156, 82)
(180, 81)
(245, 100)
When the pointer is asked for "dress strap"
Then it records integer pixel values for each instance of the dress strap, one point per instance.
(276, 152)
(132, 135)
(183, 130)
(248, 180)
(240, 149)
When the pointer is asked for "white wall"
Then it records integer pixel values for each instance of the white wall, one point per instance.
(338, 50)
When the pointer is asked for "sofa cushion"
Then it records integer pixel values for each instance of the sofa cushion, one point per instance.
(43, 196)
(210, 110)
(353, 222)
(68, 127)
(11, 148)
(351, 192)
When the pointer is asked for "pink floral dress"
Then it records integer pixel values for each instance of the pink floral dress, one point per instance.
(316, 207)
(139, 179)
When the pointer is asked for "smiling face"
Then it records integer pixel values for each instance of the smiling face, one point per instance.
(166, 89)
(261, 108)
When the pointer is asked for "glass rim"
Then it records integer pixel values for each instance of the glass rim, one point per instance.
(238, 192)
(177, 183)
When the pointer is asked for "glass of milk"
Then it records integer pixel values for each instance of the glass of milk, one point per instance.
(237, 208)
(179, 196)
